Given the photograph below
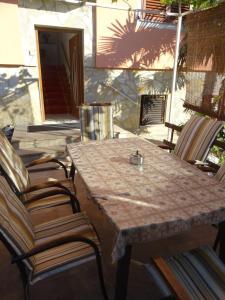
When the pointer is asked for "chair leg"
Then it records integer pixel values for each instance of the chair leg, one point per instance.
(72, 172)
(216, 243)
(27, 292)
(100, 275)
(75, 204)
(24, 277)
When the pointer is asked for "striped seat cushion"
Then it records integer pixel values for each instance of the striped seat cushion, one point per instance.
(14, 168)
(197, 137)
(12, 164)
(62, 257)
(17, 228)
(96, 122)
(204, 139)
(220, 175)
(15, 222)
(198, 274)
(187, 135)
(50, 201)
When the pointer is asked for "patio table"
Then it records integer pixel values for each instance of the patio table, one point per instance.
(163, 197)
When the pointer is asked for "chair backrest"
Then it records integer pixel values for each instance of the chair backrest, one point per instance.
(96, 121)
(220, 175)
(15, 224)
(187, 135)
(197, 137)
(204, 139)
(12, 165)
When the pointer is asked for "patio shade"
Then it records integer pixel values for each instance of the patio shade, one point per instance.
(206, 53)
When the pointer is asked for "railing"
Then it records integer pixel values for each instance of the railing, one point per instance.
(120, 93)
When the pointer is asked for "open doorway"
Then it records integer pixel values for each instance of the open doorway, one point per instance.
(60, 58)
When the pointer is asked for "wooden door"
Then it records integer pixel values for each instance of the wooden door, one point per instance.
(76, 72)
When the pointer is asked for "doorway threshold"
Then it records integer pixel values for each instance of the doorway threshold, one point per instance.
(56, 122)
(60, 118)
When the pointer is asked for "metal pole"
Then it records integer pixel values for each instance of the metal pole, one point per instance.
(173, 87)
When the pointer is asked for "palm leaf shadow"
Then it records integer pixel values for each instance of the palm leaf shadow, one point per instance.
(130, 44)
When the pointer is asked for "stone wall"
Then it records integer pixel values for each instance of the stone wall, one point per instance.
(124, 89)
(17, 87)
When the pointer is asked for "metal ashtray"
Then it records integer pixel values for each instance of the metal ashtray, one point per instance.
(137, 158)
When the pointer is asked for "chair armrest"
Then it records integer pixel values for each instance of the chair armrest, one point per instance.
(192, 162)
(204, 168)
(55, 192)
(45, 160)
(167, 145)
(173, 126)
(45, 185)
(55, 243)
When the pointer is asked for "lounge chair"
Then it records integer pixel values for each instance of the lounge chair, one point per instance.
(49, 248)
(18, 177)
(194, 275)
(196, 138)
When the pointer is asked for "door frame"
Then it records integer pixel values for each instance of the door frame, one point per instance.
(41, 28)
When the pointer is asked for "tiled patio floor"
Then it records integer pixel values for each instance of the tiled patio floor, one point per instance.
(81, 283)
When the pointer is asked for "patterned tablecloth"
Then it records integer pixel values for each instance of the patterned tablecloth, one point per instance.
(162, 197)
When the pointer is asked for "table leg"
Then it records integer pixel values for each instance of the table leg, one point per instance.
(122, 274)
(222, 241)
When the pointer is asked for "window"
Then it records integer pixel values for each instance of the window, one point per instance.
(162, 9)
(153, 109)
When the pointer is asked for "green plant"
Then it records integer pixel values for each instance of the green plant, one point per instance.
(217, 151)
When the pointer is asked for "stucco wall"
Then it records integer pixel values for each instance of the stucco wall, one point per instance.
(20, 102)
(124, 41)
(10, 44)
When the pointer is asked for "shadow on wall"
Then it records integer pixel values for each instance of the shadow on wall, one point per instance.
(123, 88)
(129, 45)
(14, 96)
(135, 45)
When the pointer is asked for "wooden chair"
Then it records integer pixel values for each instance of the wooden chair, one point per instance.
(48, 248)
(196, 138)
(194, 275)
(18, 177)
(96, 121)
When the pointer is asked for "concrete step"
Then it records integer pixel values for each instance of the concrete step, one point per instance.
(46, 141)
(54, 126)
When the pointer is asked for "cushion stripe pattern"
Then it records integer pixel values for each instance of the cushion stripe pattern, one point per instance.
(12, 164)
(17, 227)
(220, 175)
(197, 137)
(66, 254)
(15, 222)
(204, 139)
(50, 201)
(187, 135)
(200, 272)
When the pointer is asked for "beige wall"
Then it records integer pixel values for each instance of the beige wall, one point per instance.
(10, 49)
(125, 42)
